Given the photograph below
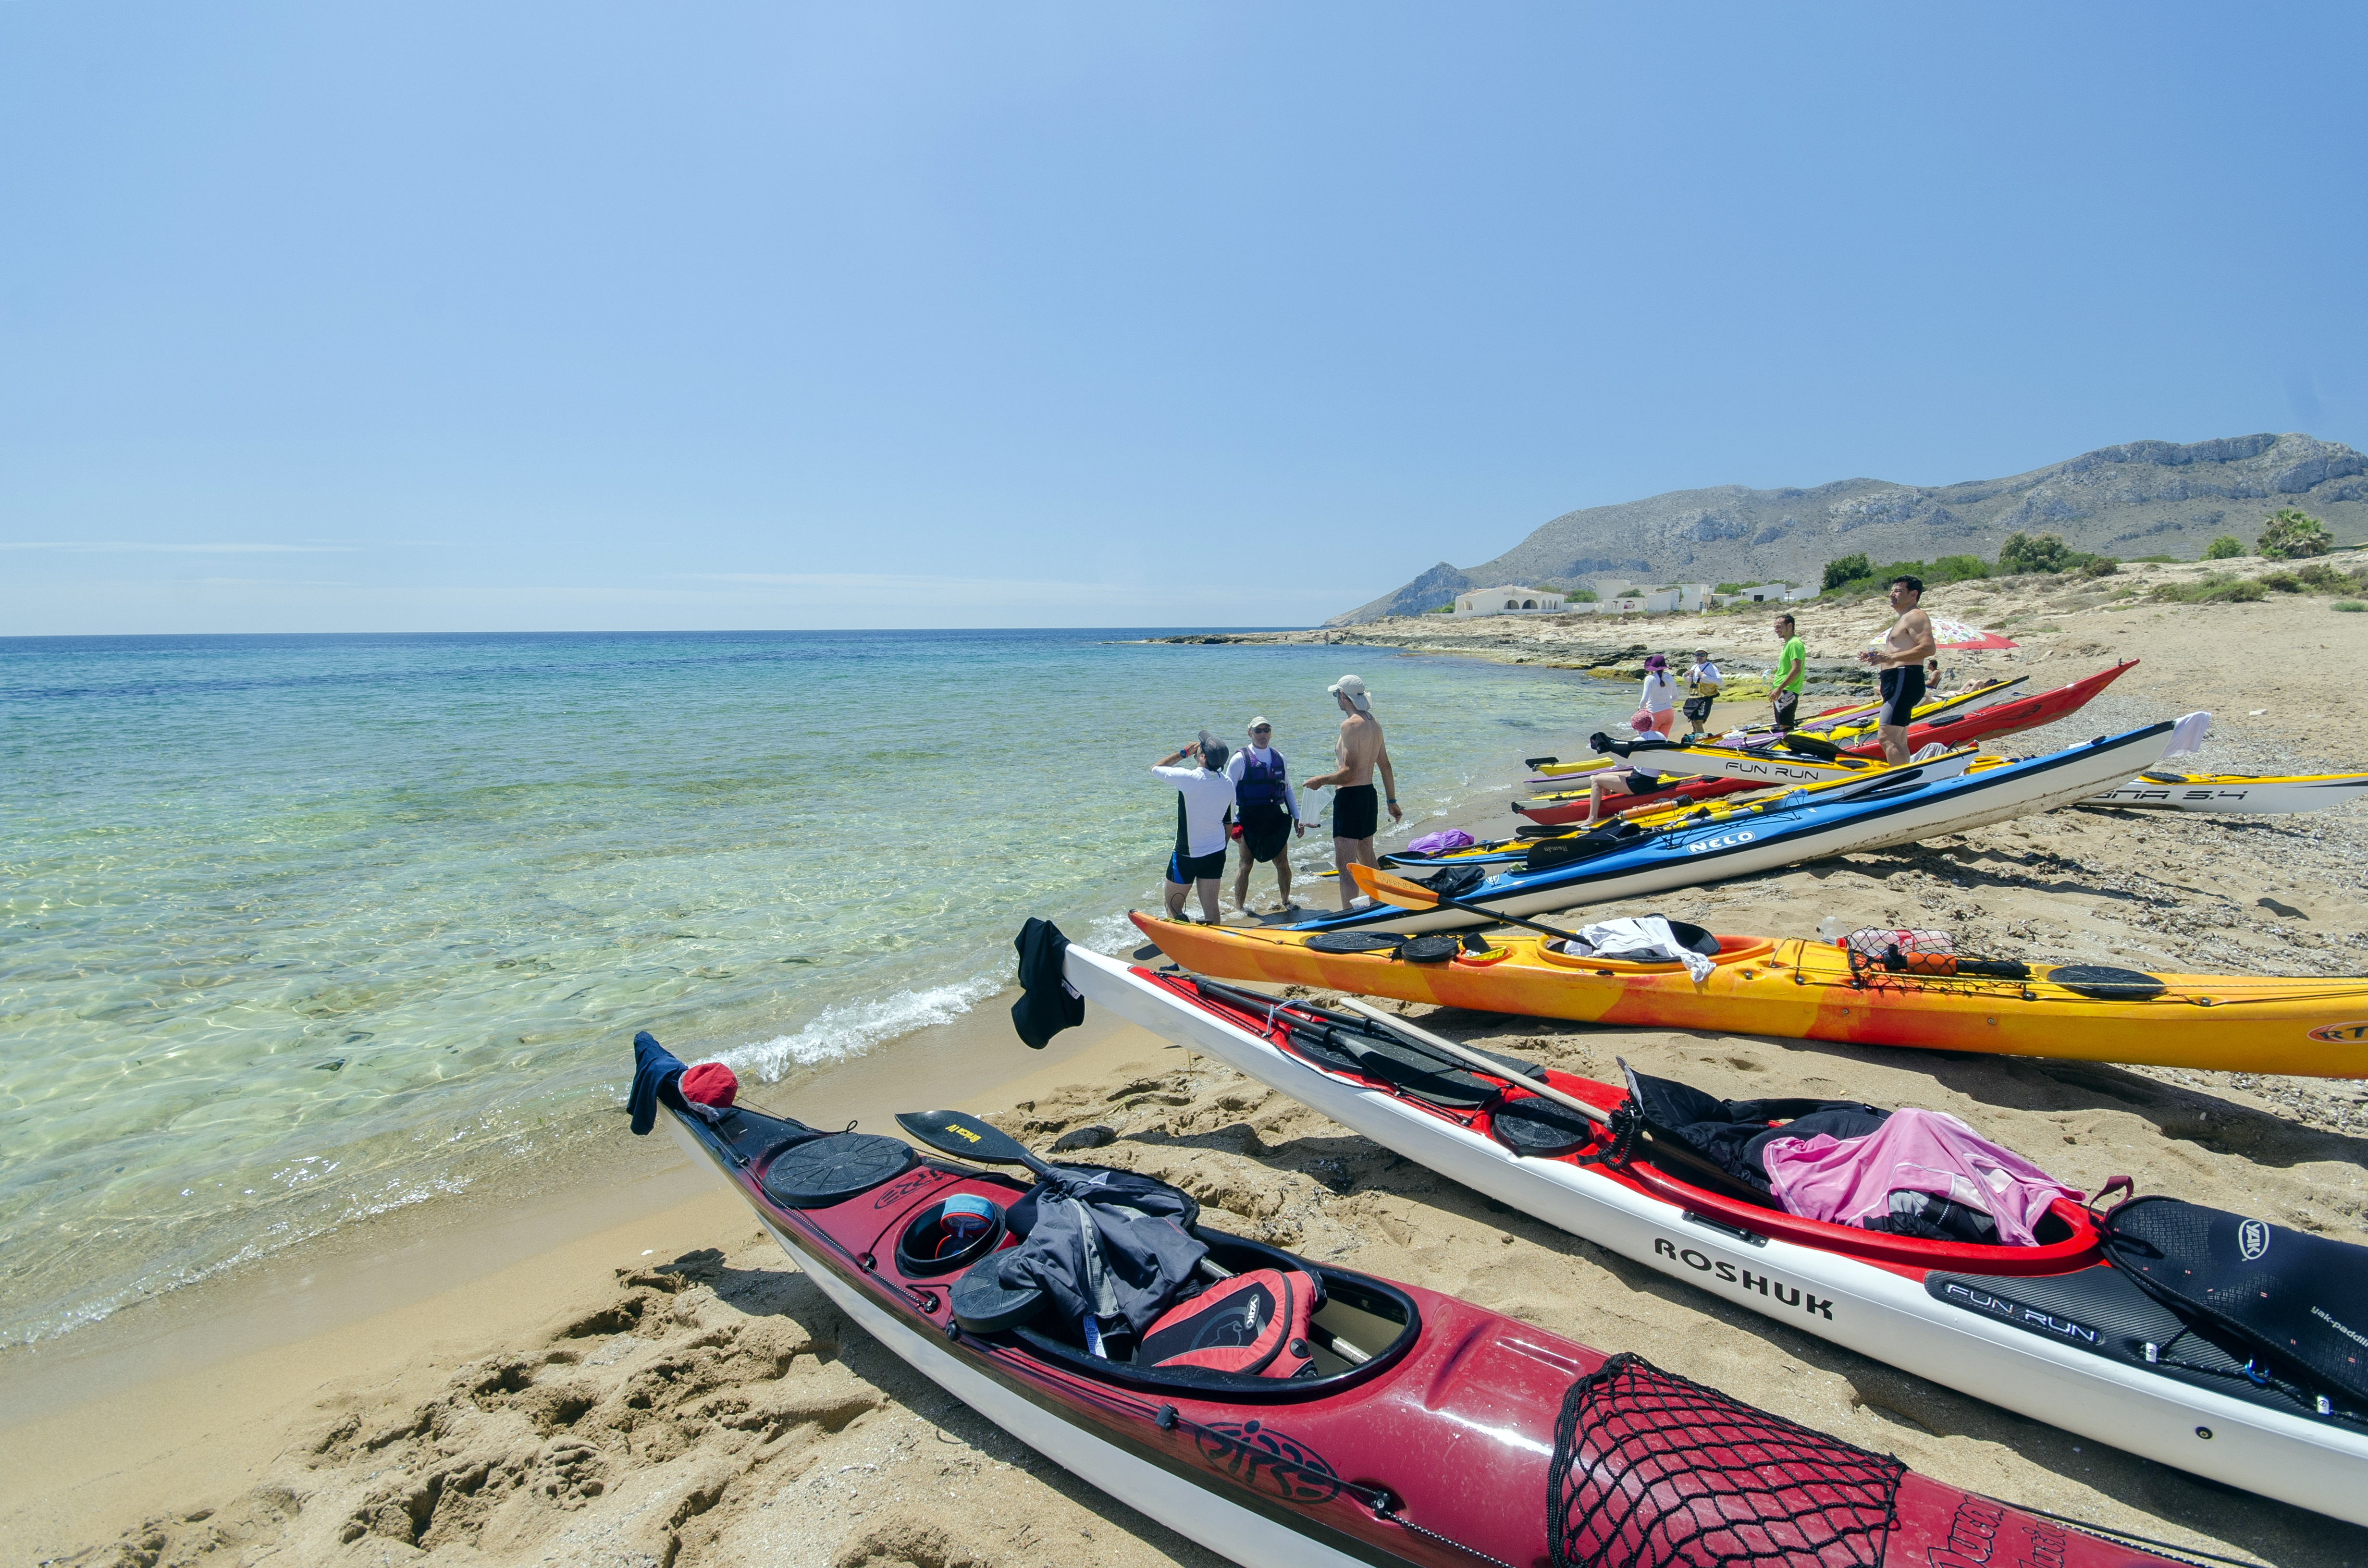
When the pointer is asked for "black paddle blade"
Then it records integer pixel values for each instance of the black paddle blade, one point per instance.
(1538, 761)
(968, 1137)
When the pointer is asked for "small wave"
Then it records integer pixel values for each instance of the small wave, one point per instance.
(851, 1030)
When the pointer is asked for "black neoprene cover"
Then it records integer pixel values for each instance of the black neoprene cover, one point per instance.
(1047, 1005)
(2299, 1301)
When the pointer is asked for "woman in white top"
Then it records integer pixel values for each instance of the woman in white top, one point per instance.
(1658, 707)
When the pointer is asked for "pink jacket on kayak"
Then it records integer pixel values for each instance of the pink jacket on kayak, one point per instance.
(1848, 1181)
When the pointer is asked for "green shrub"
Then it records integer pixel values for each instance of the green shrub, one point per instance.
(2100, 566)
(1581, 596)
(2349, 607)
(2034, 552)
(2321, 578)
(2289, 535)
(2225, 547)
(2283, 581)
(1447, 608)
(1852, 574)
(1849, 569)
(1724, 588)
(2157, 560)
(2218, 589)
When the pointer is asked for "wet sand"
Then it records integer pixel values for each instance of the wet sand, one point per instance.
(654, 1383)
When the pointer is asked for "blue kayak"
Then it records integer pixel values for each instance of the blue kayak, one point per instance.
(1623, 860)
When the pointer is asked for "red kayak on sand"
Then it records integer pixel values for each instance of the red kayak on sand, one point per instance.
(1947, 729)
(1396, 1426)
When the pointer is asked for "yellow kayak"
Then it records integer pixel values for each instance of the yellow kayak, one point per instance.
(1802, 990)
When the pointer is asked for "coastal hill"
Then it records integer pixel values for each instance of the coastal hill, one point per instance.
(2145, 498)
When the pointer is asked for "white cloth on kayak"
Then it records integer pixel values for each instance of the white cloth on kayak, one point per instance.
(2187, 734)
(1660, 692)
(1645, 940)
(1239, 764)
(1848, 1181)
(1930, 750)
(1207, 798)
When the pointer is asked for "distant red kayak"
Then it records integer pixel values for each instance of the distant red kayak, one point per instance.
(1423, 1429)
(1948, 729)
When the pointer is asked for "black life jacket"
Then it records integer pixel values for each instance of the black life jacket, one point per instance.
(1261, 785)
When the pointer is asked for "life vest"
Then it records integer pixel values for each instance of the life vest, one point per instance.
(1262, 785)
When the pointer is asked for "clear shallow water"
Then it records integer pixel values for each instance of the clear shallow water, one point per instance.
(299, 930)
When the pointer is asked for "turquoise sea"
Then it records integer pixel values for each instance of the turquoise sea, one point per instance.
(301, 929)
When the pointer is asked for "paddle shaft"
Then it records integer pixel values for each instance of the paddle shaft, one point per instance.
(1494, 1069)
(1479, 909)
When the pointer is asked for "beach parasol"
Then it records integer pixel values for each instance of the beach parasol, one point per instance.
(1948, 632)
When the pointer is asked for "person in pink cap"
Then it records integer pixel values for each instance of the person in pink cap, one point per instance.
(1658, 706)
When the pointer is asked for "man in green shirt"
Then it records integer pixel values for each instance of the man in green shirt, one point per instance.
(1792, 675)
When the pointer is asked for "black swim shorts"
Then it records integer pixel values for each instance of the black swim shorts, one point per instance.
(1788, 706)
(1698, 709)
(1266, 830)
(1903, 688)
(1356, 811)
(1183, 870)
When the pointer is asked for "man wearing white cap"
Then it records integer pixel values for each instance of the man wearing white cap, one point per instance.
(1266, 812)
(1361, 750)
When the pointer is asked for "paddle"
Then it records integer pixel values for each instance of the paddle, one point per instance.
(1474, 1059)
(1667, 1151)
(1407, 894)
(951, 1132)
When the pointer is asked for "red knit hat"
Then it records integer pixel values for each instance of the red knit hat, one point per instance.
(710, 1082)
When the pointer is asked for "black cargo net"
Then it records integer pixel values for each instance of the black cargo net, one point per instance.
(1653, 1471)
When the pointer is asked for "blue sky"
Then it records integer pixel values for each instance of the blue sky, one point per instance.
(458, 317)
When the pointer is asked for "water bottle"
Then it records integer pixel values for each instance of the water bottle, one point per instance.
(1832, 929)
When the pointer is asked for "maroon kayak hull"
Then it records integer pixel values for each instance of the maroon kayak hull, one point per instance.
(1466, 1437)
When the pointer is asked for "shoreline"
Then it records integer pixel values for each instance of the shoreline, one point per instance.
(420, 1282)
(441, 1342)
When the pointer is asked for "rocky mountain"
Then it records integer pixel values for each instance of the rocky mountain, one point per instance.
(2145, 498)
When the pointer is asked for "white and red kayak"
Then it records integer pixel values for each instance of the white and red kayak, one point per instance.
(1426, 1430)
(2051, 1331)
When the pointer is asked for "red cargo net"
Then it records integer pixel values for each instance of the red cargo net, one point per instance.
(1653, 1471)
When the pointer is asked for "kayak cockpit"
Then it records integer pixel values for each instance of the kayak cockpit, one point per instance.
(1361, 1327)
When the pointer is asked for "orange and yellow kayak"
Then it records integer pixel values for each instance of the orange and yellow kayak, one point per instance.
(1805, 990)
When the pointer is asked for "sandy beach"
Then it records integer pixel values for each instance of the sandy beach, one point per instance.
(632, 1374)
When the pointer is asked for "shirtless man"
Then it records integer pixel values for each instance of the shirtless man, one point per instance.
(1359, 749)
(1901, 659)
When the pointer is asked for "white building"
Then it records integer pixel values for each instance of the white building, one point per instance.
(1510, 600)
(1686, 598)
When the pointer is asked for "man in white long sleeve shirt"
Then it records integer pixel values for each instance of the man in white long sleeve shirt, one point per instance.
(1204, 796)
(1267, 815)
